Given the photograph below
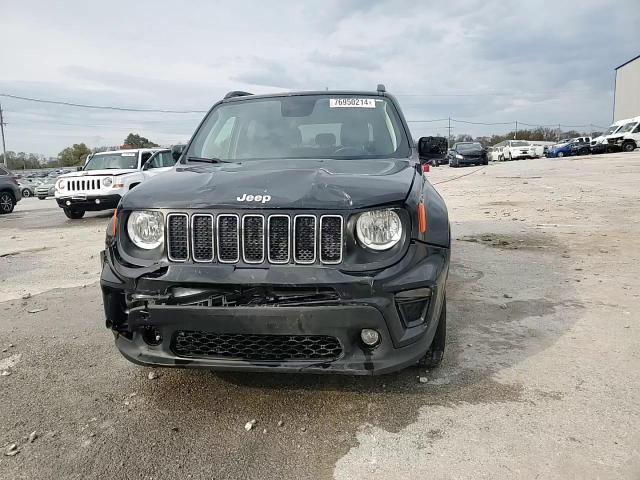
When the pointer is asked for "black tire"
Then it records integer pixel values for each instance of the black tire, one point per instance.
(559, 154)
(7, 203)
(73, 214)
(628, 146)
(434, 355)
(486, 162)
(26, 192)
(42, 198)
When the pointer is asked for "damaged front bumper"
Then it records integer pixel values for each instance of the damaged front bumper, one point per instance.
(288, 318)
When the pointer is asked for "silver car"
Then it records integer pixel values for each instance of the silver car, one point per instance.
(47, 188)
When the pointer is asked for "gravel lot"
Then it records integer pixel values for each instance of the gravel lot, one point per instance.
(541, 378)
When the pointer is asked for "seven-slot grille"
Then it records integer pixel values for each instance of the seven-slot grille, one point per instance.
(255, 238)
(83, 184)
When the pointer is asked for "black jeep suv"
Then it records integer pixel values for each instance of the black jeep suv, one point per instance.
(296, 232)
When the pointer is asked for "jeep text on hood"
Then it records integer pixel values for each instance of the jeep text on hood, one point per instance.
(313, 203)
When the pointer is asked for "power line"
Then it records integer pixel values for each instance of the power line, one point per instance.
(495, 94)
(482, 123)
(539, 124)
(488, 94)
(428, 121)
(169, 111)
(98, 107)
(56, 123)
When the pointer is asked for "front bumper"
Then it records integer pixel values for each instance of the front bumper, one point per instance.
(471, 160)
(89, 202)
(361, 302)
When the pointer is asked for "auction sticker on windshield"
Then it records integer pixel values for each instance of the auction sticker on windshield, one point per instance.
(352, 102)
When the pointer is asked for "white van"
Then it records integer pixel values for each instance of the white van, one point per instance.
(601, 144)
(627, 138)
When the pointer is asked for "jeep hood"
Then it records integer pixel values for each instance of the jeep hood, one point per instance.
(291, 184)
(89, 173)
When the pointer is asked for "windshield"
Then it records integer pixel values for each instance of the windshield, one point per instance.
(302, 126)
(465, 147)
(611, 129)
(111, 161)
(627, 127)
(519, 144)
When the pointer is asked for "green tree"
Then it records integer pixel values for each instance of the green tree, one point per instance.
(134, 140)
(21, 160)
(74, 155)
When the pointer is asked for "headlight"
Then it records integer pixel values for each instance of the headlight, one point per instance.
(146, 229)
(61, 184)
(459, 157)
(107, 181)
(379, 229)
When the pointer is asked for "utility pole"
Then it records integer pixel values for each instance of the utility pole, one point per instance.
(449, 136)
(4, 148)
(515, 134)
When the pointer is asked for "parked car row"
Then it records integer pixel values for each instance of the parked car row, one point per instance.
(35, 186)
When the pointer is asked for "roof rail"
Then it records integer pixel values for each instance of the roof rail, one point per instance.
(237, 93)
(381, 88)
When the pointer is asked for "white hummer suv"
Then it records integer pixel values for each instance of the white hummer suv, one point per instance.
(106, 177)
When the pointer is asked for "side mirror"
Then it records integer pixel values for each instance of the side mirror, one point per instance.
(176, 151)
(432, 148)
(79, 169)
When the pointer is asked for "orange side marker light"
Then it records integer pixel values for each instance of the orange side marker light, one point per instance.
(422, 217)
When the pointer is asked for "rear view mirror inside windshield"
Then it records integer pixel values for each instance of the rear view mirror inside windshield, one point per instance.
(297, 106)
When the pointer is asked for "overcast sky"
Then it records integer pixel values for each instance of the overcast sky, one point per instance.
(480, 61)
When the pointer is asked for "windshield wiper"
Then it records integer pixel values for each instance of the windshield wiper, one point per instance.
(207, 160)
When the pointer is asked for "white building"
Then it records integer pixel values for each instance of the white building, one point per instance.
(626, 103)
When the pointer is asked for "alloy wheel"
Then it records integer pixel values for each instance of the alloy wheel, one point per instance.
(6, 203)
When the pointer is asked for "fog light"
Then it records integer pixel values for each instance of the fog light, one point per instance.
(152, 336)
(68, 203)
(369, 337)
(97, 201)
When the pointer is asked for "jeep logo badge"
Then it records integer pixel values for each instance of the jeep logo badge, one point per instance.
(254, 198)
